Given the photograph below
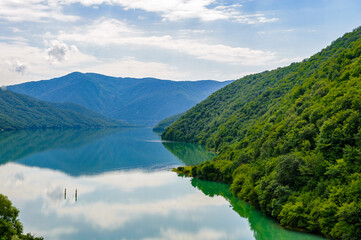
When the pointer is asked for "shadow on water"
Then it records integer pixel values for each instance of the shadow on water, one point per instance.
(263, 227)
(189, 153)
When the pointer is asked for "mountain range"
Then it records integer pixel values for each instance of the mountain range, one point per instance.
(143, 101)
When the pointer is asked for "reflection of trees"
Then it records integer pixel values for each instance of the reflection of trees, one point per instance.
(264, 227)
(84, 152)
(15, 145)
(189, 153)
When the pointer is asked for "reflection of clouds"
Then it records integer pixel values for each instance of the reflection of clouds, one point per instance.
(54, 193)
(38, 183)
(53, 198)
(55, 233)
(112, 216)
(202, 234)
(130, 181)
(108, 201)
(19, 176)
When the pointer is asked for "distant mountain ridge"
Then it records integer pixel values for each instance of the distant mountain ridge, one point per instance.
(144, 101)
(18, 111)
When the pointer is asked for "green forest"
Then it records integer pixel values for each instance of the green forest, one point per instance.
(159, 127)
(289, 140)
(19, 111)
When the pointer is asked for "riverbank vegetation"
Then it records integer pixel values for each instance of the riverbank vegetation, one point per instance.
(289, 140)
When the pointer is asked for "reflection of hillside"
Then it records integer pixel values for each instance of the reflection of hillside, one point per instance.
(85, 152)
(94, 151)
(20, 144)
(189, 153)
(262, 226)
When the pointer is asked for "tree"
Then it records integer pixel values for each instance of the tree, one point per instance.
(10, 226)
(9, 223)
(287, 169)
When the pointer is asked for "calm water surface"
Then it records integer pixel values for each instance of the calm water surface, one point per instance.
(124, 189)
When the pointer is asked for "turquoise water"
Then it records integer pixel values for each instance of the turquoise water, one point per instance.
(119, 186)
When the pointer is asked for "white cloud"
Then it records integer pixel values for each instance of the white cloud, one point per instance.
(173, 10)
(131, 67)
(17, 66)
(110, 31)
(59, 51)
(14, 39)
(255, 18)
(20, 62)
(33, 10)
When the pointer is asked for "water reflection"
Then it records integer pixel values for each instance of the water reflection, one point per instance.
(112, 205)
(76, 194)
(132, 205)
(189, 153)
(96, 184)
(17, 145)
(79, 152)
(264, 227)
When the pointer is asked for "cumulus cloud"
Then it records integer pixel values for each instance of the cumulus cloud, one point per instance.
(19, 67)
(58, 51)
(16, 66)
(20, 62)
(110, 31)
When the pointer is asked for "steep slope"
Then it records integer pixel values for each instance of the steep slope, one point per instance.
(162, 125)
(142, 101)
(18, 111)
(289, 140)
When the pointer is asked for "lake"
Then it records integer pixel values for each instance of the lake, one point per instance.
(117, 184)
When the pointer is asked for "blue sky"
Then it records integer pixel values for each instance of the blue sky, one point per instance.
(168, 39)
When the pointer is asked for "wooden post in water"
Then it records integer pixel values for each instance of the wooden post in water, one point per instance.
(65, 193)
(76, 195)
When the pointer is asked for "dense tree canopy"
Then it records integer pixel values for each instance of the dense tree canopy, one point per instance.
(289, 140)
(166, 122)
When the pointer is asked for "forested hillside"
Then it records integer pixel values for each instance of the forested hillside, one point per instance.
(143, 101)
(162, 125)
(18, 111)
(289, 140)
